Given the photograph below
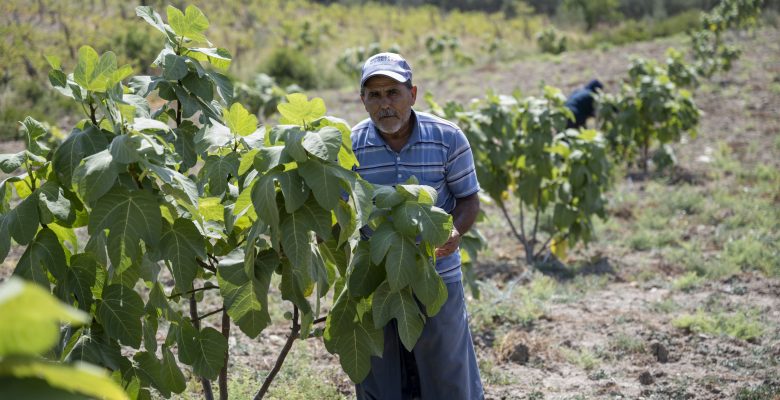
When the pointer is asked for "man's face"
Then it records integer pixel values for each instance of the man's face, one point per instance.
(389, 103)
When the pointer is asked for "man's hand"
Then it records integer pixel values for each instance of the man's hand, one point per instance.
(450, 246)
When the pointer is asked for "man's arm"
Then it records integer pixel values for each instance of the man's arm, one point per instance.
(463, 216)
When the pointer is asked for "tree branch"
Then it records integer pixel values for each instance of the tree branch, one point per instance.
(207, 392)
(175, 295)
(223, 378)
(205, 266)
(208, 314)
(319, 320)
(509, 220)
(294, 330)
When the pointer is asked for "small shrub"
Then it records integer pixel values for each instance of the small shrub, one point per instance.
(741, 325)
(289, 66)
(549, 41)
(583, 358)
(628, 344)
(687, 282)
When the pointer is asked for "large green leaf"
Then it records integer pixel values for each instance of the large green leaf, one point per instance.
(364, 275)
(82, 276)
(217, 169)
(224, 86)
(324, 143)
(436, 225)
(164, 374)
(264, 200)
(79, 144)
(205, 350)
(22, 222)
(316, 218)
(153, 18)
(218, 57)
(44, 254)
(294, 190)
(269, 157)
(191, 24)
(428, 287)
(295, 238)
(346, 157)
(299, 110)
(95, 176)
(389, 304)
(239, 120)
(212, 135)
(184, 188)
(120, 313)
(246, 297)
(324, 182)
(98, 348)
(174, 67)
(53, 205)
(185, 144)
(98, 74)
(400, 262)
(353, 338)
(129, 217)
(181, 244)
(23, 332)
(125, 148)
(406, 218)
(363, 195)
(63, 380)
(382, 238)
(9, 163)
(296, 284)
(33, 132)
(347, 220)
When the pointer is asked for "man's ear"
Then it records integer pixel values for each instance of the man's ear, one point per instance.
(414, 94)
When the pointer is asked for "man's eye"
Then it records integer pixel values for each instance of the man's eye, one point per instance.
(393, 92)
(373, 95)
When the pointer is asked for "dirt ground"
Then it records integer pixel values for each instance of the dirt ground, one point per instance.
(621, 323)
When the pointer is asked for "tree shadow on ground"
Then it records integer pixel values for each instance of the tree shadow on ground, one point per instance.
(551, 266)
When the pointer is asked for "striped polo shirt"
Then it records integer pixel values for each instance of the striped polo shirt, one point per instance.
(437, 154)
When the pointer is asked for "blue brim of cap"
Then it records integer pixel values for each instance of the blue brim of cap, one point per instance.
(390, 74)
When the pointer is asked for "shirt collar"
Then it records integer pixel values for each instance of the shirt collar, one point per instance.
(375, 139)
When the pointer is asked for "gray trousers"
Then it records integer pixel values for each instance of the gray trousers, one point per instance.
(444, 359)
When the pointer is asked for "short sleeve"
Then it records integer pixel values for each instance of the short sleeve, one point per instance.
(461, 175)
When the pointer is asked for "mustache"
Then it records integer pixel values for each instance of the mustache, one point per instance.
(386, 113)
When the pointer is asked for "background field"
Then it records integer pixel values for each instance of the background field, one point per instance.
(678, 296)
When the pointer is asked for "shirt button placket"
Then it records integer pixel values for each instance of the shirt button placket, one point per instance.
(398, 167)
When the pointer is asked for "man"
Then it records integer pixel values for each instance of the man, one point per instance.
(581, 103)
(394, 143)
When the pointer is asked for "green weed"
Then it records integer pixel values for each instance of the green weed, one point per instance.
(764, 391)
(625, 343)
(513, 304)
(687, 282)
(664, 306)
(582, 358)
(493, 375)
(754, 251)
(741, 325)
